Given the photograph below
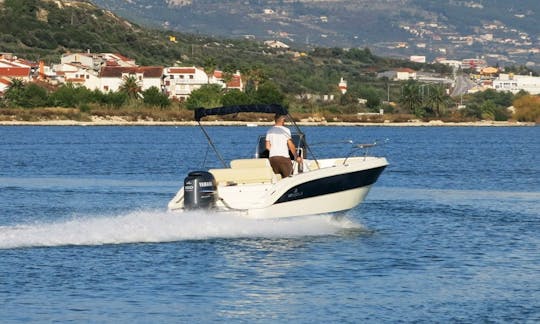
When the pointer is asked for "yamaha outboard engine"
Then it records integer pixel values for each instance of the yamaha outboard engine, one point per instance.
(200, 190)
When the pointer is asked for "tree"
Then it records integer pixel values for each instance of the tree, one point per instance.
(226, 77)
(349, 98)
(254, 77)
(34, 96)
(488, 110)
(437, 98)
(114, 99)
(130, 86)
(69, 95)
(209, 67)
(410, 97)
(154, 97)
(527, 108)
(24, 95)
(235, 97)
(268, 93)
(207, 96)
(372, 95)
(15, 92)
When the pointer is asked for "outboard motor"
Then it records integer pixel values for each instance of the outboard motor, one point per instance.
(200, 190)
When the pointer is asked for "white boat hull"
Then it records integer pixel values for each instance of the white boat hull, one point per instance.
(335, 185)
(324, 204)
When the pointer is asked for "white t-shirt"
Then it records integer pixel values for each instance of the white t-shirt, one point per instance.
(278, 137)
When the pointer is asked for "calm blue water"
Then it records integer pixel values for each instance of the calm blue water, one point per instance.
(450, 233)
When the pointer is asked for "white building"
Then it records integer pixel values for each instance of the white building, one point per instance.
(84, 59)
(96, 60)
(515, 83)
(76, 74)
(276, 44)
(455, 64)
(405, 74)
(417, 58)
(342, 85)
(112, 77)
(179, 82)
(401, 74)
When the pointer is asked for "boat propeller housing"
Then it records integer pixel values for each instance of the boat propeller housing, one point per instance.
(200, 190)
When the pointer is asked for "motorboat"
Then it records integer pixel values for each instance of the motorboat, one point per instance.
(250, 187)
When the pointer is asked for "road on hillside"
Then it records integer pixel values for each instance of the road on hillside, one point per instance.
(463, 84)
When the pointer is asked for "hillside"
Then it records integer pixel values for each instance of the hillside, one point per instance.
(303, 80)
(504, 32)
(57, 27)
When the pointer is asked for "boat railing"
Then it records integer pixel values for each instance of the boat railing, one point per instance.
(365, 147)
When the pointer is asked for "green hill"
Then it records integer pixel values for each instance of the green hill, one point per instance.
(41, 29)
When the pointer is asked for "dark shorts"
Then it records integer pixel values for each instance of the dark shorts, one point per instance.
(281, 165)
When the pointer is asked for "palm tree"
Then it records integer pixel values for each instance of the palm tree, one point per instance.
(254, 76)
(15, 92)
(209, 67)
(130, 86)
(411, 97)
(437, 98)
(16, 84)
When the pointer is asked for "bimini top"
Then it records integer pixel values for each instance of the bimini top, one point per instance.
(227, 110)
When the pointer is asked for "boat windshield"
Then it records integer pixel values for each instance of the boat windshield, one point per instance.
(299, 141)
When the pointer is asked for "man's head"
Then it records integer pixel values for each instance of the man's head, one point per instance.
(279, 119)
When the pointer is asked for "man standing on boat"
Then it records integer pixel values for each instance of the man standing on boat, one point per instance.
(278, 144)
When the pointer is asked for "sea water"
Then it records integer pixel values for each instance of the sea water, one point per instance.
(449, 233)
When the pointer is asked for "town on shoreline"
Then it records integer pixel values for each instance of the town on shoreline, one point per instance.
(117, 121)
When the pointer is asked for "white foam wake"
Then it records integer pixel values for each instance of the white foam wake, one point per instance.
(159, 226)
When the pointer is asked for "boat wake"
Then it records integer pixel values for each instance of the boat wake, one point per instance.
(161, 226)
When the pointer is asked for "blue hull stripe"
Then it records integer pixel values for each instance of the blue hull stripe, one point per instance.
(332, 184)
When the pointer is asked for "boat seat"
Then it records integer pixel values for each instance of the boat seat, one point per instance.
(250, 163)
(235, 176)
(338, 162)
(312, 165)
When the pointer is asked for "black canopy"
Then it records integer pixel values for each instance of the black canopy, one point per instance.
(269, 109)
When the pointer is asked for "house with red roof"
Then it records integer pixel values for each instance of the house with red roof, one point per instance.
(234, 80)
(405, 74)
(15, 69)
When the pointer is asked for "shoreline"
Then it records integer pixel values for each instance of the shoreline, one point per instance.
(116, 121)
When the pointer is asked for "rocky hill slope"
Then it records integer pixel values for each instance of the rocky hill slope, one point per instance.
(508, 31)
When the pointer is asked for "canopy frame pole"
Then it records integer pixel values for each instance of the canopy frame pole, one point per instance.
(212, 144)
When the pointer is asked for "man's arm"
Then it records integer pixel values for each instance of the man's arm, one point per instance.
(292, 148)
